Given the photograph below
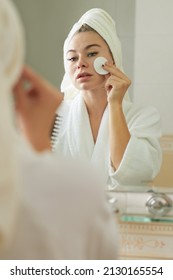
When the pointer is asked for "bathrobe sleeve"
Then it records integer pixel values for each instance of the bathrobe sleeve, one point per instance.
(142, 158)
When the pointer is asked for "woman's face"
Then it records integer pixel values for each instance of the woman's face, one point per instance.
(83, 49)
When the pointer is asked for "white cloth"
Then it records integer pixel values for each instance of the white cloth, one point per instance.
(142, 158)
(105, 26)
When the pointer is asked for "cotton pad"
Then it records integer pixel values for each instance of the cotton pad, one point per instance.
(98, 63)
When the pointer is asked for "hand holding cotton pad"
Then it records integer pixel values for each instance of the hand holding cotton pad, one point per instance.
(98, 63)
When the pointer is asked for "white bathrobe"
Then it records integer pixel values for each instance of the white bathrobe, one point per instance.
(142, 159)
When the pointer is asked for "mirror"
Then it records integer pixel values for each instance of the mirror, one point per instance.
(147, 58)
(145, 30)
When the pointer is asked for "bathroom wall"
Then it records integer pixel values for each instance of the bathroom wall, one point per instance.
(153, 63)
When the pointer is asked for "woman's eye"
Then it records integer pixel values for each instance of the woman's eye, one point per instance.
(92, 54)
(72, 59)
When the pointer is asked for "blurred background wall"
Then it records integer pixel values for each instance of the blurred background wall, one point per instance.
(153, 61)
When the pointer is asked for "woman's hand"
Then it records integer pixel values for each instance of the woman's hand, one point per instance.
(116, 84)
(36, 102)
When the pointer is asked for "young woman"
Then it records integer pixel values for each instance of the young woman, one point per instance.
(99, 124)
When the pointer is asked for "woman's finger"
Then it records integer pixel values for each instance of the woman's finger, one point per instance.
(31, 76)
(116, 83)
(113, 70)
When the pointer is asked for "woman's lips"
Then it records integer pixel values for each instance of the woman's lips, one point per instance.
(83, 75)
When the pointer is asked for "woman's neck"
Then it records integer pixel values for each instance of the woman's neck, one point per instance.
(96, 102)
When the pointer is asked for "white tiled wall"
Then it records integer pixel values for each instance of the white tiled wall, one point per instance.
(153, 64)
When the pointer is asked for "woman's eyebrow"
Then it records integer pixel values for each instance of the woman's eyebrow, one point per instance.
(86, 48)
(92, 45)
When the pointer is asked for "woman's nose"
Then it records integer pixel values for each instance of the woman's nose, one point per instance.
(82, 63)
